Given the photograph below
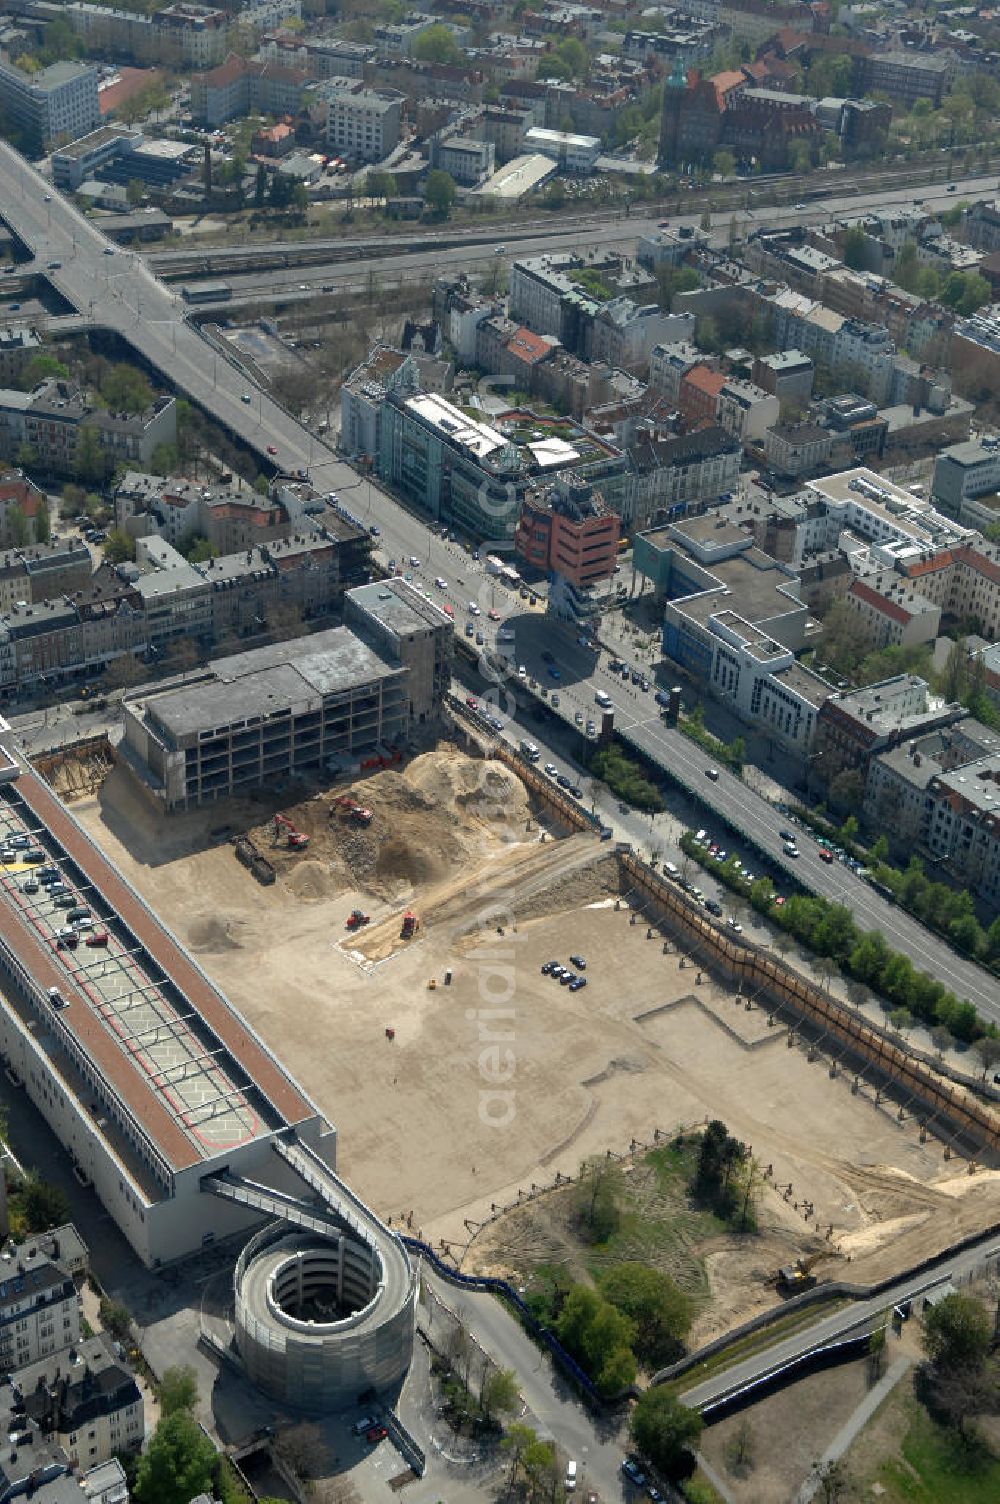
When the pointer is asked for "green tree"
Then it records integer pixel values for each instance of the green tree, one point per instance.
(40, 368)
(45, 1205)
(800, 156)
(126, 390)
(260, 186)
(855, 248)
(499, 1393)
(437, 45)
(43, 522)
(135, 191)
(119, 546)
(724, 163)
(116, 1319)
(666, 1433)
(165, 459)
(197, 549)
(26, 457)
(17, 526)
(439, 192)
(657, 1306)
(178, 1464)
(597, 1197)
(957, 1332)
(380, 185)
(906, 268)
(178, 1389)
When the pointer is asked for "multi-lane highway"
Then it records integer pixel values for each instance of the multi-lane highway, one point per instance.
(637, 718)
(119, 291)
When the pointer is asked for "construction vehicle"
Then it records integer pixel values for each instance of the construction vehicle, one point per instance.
(356, 919)
(794, 1278)
(356, 812)
(297, 840)
(410, 926)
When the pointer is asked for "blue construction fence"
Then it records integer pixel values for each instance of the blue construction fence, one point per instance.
(490, 1286)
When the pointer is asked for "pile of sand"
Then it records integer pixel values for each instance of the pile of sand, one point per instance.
(310, 880)
(429, 820)
(211, 934)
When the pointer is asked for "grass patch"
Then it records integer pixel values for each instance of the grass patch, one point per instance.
(936, 1467)
(626, 779)
(661, 1222)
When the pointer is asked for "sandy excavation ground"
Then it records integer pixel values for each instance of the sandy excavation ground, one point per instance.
(504, 1077)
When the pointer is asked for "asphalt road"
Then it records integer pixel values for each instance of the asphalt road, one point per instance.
(728, 799)
(857, 1317)
(120, 291)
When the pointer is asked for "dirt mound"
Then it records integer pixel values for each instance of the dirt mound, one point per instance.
(211, 934)
(484, 790)
(311, 880)
(428, 823)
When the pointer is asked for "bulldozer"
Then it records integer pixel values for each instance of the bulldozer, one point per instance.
(410, 926)
(297, 839)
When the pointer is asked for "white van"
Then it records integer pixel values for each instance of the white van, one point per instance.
(603, 699)
(671, 870)
(530, 751)
(570, 1482)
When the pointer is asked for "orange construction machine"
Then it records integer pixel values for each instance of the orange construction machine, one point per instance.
(297, 840)
(357, 812)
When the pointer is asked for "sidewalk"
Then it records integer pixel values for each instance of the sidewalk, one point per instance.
(853, 1427)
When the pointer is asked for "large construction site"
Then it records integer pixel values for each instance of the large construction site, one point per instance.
(465, 1083)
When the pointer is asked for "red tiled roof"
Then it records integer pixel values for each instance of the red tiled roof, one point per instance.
(704, 380)
(227, 72)
(528, 346)
(890, 608)
(931, 565)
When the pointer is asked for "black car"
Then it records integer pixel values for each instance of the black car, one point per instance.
(580, 962)
(713, 907)
(577, 983)
(548, 657)
(549, 967)
(563, 781)
(576, 791)
(787, 835)
(567, 978)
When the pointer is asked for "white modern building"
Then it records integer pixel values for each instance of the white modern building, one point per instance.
(56, 105)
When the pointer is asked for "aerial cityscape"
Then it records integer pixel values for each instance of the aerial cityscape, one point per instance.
(499, 752)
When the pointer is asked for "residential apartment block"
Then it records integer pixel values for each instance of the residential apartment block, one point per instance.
(51, 418)
(39, 1306)
(362, 124)
(242, 86)
(85, 1400)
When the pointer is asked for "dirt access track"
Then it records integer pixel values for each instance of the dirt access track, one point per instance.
(503, 1077)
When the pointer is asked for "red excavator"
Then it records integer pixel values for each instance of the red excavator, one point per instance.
(410, 926)
(356, 919)
(297, 839)
(356, 812)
